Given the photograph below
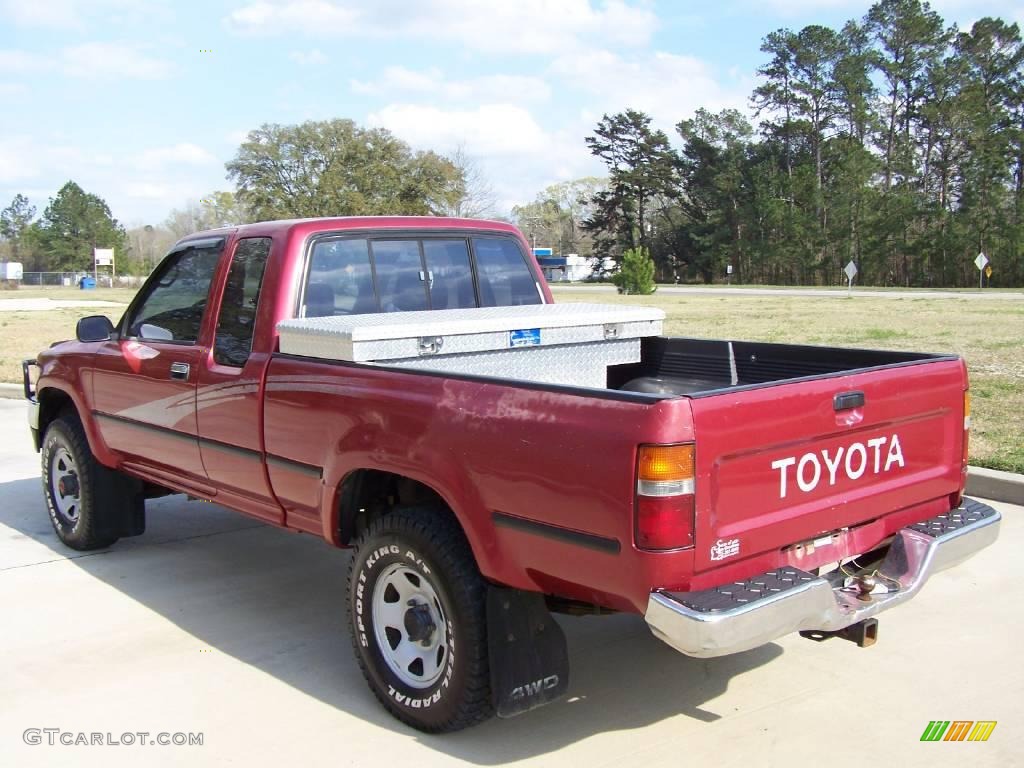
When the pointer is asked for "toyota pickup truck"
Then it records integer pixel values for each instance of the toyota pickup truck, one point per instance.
(729, 492)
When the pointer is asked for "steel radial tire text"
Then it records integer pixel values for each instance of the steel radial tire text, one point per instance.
(417, 615)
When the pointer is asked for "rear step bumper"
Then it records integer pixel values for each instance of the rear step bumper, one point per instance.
(743, 615)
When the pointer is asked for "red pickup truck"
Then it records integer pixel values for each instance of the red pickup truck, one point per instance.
(730, 492)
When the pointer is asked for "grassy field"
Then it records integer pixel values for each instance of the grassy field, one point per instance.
(989, 335)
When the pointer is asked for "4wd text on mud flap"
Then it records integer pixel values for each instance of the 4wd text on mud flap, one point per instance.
(532, 689)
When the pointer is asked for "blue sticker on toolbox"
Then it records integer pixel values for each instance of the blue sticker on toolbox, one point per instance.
(528, 337)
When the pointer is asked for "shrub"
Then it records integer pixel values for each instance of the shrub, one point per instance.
(636, 273)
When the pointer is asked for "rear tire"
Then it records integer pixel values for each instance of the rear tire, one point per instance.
(417, 616)
(88, 503)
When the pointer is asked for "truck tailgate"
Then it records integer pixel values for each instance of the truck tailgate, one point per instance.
(782, 464)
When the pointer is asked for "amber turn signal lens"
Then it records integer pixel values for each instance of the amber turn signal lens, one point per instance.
(666, 463)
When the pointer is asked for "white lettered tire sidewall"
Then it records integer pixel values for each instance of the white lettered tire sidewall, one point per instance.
(87, 531)
(55, 439)
(436, 703)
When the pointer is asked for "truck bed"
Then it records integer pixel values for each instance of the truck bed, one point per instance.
(702, 367)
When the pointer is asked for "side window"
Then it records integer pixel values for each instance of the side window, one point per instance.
(504, 277)
(451, 277)
(237, 318)
(340, 281)
(398, 275)
(173, 306)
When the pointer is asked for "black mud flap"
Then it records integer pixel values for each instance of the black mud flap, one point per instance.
(529, 655)
(124, 511)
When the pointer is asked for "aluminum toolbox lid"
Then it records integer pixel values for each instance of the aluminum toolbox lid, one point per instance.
(451, 322)
(395, 335)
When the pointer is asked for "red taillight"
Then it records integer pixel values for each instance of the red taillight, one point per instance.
(664, 522)
(664, 501)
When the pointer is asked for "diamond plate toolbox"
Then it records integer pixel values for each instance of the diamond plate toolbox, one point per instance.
(569, 344)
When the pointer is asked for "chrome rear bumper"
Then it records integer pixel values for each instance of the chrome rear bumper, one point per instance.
(743, 615)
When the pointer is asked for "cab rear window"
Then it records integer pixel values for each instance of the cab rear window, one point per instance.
(359, 275)
(505, 279)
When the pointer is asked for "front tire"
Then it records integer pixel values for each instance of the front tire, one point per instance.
(84, 498)
(417, 615)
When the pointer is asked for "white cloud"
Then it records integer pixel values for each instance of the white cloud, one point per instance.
(113, 60)
(10, 90)
(90, 60)
(134, 184)
(490, 129)
(72, 14)
(807, 7)
(431, 82)
(17, 160)
(12, 60)
(186, 154)
(517, 156)
(667, 86)
(150, 190)
(236, 137)
(51, 13)
(306, 16)
(492, 26)
(312, 57)
(963, 12)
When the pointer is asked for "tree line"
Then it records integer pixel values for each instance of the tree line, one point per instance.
(896, 142)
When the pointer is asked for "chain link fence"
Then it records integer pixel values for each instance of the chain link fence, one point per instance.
(72, 279)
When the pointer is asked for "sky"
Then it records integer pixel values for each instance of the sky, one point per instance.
(143, 101)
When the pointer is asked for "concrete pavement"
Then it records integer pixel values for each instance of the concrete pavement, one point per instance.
(214, 623)
(718, 290)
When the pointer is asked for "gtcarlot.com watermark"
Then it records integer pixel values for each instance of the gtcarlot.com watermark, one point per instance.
(59, 737)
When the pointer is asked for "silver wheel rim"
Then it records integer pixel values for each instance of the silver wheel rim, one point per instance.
(404, 604)
(64, 485)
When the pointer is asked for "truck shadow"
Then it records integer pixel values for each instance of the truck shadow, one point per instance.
(274, 600)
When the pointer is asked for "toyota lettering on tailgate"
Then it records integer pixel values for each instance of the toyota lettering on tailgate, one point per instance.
(875, 456)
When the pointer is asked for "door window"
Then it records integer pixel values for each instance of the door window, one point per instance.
(172, 305)
(237, 317)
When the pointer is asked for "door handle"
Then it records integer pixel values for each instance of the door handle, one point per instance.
(180, 371)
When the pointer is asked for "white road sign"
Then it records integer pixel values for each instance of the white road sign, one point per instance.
(981, 261)
(851, 270)
(104, 256)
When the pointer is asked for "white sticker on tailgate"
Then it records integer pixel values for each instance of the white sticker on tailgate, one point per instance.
(724, 548)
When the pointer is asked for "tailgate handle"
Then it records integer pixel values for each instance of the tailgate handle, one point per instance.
(844, 401)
